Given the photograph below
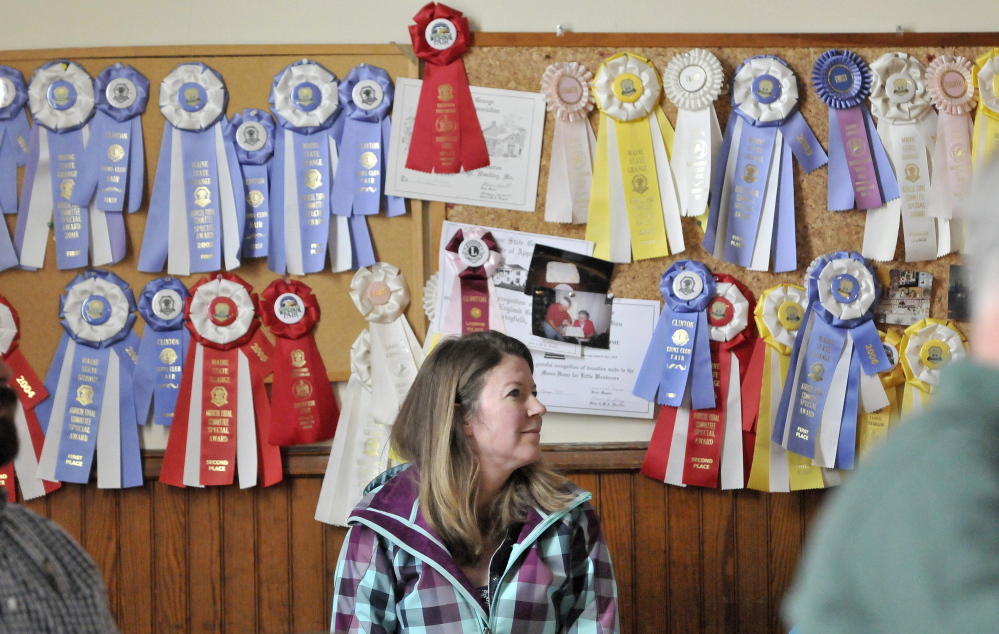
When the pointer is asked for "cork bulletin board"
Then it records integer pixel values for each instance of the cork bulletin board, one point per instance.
(248, 72)
(516, 61)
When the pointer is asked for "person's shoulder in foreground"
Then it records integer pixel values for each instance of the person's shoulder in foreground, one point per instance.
(48, 584)
(911, 542)
(570, 542)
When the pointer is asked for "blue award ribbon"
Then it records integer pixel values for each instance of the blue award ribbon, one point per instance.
(821, 340)
(300, 189)
(163, 349)
(14, 132)
(679, 355)
(251, 133)
(72, 222)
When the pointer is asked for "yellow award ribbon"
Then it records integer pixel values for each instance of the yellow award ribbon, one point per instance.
(598, 221)
(873, 427)
(986, 133)
(927, 347)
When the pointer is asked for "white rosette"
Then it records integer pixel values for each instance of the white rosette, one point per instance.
(381, 295)
(567, 87)
(866, 294)
(612, 233)
(215, 97)
(740, 313)
(986, 80)
(692, 81)
(744, 98)
(73, 308)
(907, 125)
(48, 115)
(361, 446)
(913, 346)
(772, 302)
(430, 297)
(306, 72)
(200, 311)
(8, 328)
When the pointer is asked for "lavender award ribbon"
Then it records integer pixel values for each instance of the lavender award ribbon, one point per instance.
(678, 361)
(252, 133)
(196, 201)
(859, 171)
(751, 219)
(61, 98)
(90, 408)
(113, 165)
(366, 94)
(304, 100)
(14, 133)
(161, 354)
(817, 415)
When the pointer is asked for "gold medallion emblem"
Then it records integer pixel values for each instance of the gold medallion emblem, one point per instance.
(816, 372)
(298, 358)
(371, 448)
(220, 396)
(202, 196)
(66, 188)
(302, 389)
(84, 395)
(681, 337)
(116, 152)
(255, 198)
(749, 174)
(445, 123)
(368, 160)
(168, 355)
(313, 179)
(475, 313)
(912, 172)
(445, 93)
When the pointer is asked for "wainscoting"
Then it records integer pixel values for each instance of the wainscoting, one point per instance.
(226, 560)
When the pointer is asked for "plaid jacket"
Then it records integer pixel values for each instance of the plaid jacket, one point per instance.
(395, 574)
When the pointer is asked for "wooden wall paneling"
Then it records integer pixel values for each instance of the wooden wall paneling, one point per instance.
(66, 509)
(589, 482)
(101, 536)
(308, 558)
(684, 584)
(752, 559)
(333, 536)
(785, 546)
(650, 556)
(239, 561)
(204, 579)
(135, 552)
(170, 561)
(618, 515)
(274, 558)
(719, 586)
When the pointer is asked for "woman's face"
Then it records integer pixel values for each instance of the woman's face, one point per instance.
(505, 430)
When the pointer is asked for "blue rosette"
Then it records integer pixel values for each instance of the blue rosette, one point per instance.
(354, 106)
(151, 305)
(121, 92)
(299, 114)
(258, 149)
(679, 355)
(15, 94)
(163, 349)
(842, 79)
(61, 96)
(14, 134)
(115, 322)
(866, 284)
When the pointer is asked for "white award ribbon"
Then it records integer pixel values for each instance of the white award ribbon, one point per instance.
(907, 126)
(732, 474)
(928, 346)
(567, 87)
(360, 446)
(952, 91)
(622, 220)
(693, 81)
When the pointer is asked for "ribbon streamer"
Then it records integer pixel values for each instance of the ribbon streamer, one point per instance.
(358, 189)
(706, 447)
(952, 90)
(252, 133)
(159, 370)
(360, 447)
(751, 220)
(30, 392)
(113, 165)
(303, 408)
(780, 314)
(568, 91)
(677, 363)
(14, 134)
(860, 174)
(61, 98)
(447, 136)
(632, 181)
(474, 255)
(222, 415)
(305, 102)
(692, 81)
(907, 126)
(90, 409)
(928, 346)
(872, 428)
(817, 416)
(196, 201)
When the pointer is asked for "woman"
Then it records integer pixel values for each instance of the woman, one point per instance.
(584, 322)
(475, 534)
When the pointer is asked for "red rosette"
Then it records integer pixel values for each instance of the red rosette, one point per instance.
(269, 309)
(194, 300)
(418, 33)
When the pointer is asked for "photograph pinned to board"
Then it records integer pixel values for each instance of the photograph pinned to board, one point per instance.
(907, 298)
(569, 295)
(959, 292)
(513, 125)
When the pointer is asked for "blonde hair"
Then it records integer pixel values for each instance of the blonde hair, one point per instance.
(428, 432)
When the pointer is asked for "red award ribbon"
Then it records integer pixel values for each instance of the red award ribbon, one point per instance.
(234, 356)
(732, 338)
(474, 255)
(447, 136)
(303, 408)
(30, 392)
